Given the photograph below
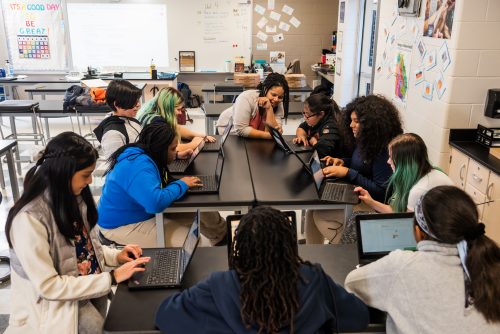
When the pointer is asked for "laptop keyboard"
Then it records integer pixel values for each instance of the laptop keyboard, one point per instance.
(178, 165)
(215, 146)
(166, 269)
(334, 192)
(209, 183)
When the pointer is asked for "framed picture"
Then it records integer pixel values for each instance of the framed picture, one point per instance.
(186, 61)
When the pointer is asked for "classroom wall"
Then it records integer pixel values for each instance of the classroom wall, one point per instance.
(318, 20)
(474, 50)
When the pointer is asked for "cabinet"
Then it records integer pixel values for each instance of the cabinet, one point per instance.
(482, 185)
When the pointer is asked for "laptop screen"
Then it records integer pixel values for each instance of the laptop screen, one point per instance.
(196, 151)
(316, 169)
(190, 243)
(383, 233)
(278, 138)
(218, 167)
(227, 130)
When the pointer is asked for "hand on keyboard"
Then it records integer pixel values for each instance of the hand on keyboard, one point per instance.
(125, 271)
(183, 155)
(209, 139)
(329, 161)
(336, 171)
(192, 181)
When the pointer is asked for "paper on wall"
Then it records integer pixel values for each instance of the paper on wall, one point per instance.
(430, 59)
(262, 22)
(275, 16)
(419, 76)
(295, 22)
(261, 46)
(444, 56)
(270, 4)
(270, 29)
(427, 90)
(287, 10)
(278, 38)
(262, 36)
(440, 85)
(284, 26)
(259, 9)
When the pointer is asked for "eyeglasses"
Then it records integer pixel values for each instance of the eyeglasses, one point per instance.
(308, 116)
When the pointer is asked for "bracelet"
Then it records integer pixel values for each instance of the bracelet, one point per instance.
(113, 279)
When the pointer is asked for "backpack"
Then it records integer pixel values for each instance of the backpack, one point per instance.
(185, 91)
(70, 96)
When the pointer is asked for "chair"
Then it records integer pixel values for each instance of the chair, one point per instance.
(106, 242)
(232, 222)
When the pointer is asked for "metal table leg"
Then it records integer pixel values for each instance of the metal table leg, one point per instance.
(14, 134)
(12, 175)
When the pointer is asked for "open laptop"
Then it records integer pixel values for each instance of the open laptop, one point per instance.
(379, 234)
(287, 145)
(180, 165)
(168, 265)
(215, 146)
(211, 183)
(233, 221)
(331, 191)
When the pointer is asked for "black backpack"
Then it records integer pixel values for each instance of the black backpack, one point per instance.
(192, 100)
(113, 123)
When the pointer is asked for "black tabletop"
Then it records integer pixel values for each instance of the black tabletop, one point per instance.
(278, 178)
(236, 182)
(479, 153)
(133, 311)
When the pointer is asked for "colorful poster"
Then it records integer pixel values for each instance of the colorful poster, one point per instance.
(401, 83)
(439, 16)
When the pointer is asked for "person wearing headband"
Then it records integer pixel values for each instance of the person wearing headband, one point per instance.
(450, 284)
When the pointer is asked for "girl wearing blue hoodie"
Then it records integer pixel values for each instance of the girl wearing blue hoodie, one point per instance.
(137, 187)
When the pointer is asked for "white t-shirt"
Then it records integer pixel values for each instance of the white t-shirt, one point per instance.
(433, 179)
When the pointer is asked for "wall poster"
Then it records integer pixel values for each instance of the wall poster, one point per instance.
(439, 16)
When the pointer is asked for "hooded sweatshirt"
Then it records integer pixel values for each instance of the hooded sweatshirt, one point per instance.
(133, 192)
(213, 306)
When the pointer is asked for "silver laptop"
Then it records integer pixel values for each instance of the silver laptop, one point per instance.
(180, 165)
(331, 191)
(220, 140)
(379, 234)
(167, 265)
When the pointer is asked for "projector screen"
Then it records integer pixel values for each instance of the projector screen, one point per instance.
(118, 36)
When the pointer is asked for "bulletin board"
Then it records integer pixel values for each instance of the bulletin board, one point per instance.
(35, 34)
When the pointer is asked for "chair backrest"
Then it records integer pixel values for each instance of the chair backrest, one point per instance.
(232, 222)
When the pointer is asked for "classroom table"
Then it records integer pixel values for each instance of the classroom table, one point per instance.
(281, 181)
(6, 147)
(235, 89)
(134, 311)
(53, 109)
(235, 193)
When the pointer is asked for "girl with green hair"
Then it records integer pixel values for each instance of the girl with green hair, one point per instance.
(413, 175)
(168, 104)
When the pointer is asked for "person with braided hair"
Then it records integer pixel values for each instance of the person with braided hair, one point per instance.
(255, 107)
(450, 284)
(138, 186)
(58, 277)
(268, 289)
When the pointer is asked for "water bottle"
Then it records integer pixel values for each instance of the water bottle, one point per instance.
(9, 70)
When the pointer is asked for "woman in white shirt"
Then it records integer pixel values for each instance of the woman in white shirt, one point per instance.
(450, 284)
(254, 108)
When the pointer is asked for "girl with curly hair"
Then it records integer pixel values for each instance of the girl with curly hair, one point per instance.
(256, 107)
(268, 289)
(374, 121)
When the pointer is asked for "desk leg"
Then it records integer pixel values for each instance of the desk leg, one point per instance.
(47, 130)
(35, 130)
(2, 179)
(347, 212)
(160, 233)
(12, 175)
(14, 135)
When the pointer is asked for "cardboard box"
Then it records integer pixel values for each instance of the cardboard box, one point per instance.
(249, 80)
(495, 152)
(296, 80)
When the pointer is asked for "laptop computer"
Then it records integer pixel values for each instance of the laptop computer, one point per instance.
(233, 221)
(211, 183)
(331, 191)
(379, 234)
(287, 145)
(180, 165)
(215, 146)
(168, 265)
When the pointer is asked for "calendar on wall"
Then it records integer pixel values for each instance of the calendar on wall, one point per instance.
(35, 35)
(33, 46)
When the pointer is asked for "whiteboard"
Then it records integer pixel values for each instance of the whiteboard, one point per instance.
(217, 30)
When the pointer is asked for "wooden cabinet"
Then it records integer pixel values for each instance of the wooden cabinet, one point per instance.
(482, 185)
(458, 167)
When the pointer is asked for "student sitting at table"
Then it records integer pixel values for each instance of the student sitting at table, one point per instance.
(120, 127)
(268, 289)
(59, 283)
(137, 188)
(413, 175)
(374, 122)
(167, 105)
(450, 284)
(255, 107)
(319, 129)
